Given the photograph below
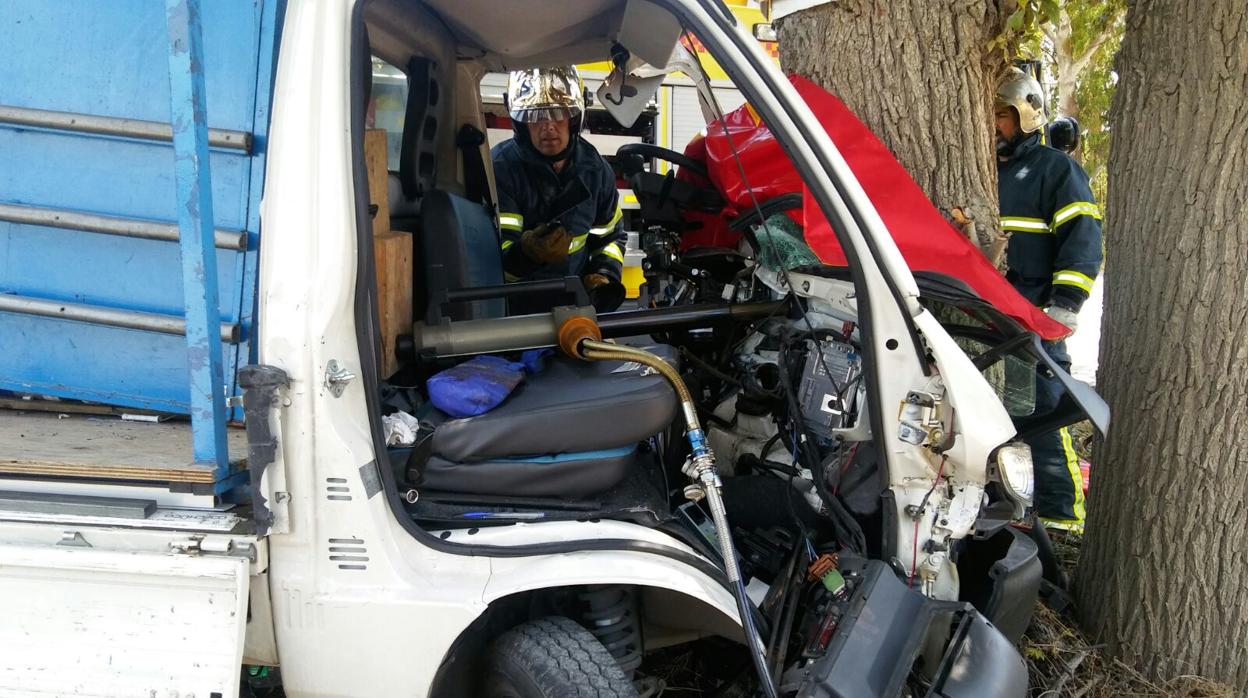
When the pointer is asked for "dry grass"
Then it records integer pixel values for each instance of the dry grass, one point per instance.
(1063, 664)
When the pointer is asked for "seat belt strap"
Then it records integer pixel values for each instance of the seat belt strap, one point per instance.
(469, 141)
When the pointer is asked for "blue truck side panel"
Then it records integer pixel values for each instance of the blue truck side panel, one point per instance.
(113, 59)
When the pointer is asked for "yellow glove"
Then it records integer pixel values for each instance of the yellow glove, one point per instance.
(545, 244)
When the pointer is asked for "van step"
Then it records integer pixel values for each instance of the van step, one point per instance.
(76, 505)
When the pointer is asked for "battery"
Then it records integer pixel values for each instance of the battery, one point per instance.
(826, 394)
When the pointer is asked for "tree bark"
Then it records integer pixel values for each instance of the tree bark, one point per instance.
(1064, 60)
(920, 75)
(1163, 578)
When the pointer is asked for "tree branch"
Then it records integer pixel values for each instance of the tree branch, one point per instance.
(1049, 32)
(1081, 63)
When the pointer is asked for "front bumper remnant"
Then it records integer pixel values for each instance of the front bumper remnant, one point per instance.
(891, 635)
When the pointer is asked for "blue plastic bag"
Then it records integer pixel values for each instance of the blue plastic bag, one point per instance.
(534, 360)
(474, 387)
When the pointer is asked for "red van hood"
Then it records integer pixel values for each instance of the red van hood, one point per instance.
(926, 240)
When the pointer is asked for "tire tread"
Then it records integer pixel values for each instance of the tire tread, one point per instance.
(557, 652)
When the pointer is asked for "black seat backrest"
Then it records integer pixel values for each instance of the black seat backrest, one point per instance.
(457, 247)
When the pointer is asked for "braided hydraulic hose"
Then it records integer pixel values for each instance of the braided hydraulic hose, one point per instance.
(581, 343)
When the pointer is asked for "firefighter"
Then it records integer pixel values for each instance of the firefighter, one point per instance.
(1063, 133)
(1053, 256)
(559, 208)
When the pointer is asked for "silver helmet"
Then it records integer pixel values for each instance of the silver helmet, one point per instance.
(545, 94)
(1023, 92)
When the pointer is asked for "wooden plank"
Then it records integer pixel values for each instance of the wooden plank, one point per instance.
(375, 157)
(393, 252)
(105, 448)
(74, 407)
(394, 293)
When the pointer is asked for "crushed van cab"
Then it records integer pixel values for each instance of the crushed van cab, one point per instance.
(274, 414)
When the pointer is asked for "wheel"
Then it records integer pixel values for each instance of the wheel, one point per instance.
(553, 658)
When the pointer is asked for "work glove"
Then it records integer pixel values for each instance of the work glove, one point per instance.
(1066, 316)
(604, 292)
(546, 244)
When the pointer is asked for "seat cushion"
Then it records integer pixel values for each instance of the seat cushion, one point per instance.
(569, 475)
(572, 406)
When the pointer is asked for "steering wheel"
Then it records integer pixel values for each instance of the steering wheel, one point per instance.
(662, 196)
(636, 153)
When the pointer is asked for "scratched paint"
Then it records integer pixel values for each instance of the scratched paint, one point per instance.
(188, 112)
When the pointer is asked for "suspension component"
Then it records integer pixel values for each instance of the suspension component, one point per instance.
(611, 613)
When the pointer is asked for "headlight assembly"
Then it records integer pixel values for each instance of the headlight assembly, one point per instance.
(1016, 472)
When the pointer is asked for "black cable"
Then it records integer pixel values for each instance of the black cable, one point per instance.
(753, 641)
(785, 627)
(847, 528)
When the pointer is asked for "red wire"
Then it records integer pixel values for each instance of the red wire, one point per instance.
(914, 558)
(845, 468)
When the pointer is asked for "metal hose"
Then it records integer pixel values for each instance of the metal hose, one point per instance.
(605, 351)
(703, 471)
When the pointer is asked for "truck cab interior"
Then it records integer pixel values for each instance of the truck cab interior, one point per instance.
(576, 439)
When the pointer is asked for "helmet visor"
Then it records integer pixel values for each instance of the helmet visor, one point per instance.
(532, 116)
(547, 94)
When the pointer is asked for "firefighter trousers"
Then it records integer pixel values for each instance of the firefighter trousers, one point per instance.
(1059, 483)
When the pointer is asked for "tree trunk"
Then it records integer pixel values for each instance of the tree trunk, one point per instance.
(920, 75)
(1163, 578)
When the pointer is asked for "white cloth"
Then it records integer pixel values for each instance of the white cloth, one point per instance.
(400, 429)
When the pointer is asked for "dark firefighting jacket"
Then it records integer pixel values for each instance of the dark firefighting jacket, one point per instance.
(1054, 224)
(529, 189)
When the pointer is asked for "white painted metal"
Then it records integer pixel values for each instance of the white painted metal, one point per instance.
(178, 519)
(86, 622)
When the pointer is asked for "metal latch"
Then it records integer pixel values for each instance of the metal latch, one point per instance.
(337, 378)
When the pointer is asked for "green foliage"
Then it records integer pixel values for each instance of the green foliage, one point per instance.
(1021, 34)
(1095, 23)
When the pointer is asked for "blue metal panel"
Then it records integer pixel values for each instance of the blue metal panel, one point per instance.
(112, 59)
(80, 267)
(195, 225)
(111, 176)
(115, 366)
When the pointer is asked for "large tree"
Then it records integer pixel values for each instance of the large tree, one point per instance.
(1163, 579)
(920, 74)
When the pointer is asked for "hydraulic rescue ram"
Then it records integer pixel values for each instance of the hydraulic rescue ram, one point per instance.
(542, 329)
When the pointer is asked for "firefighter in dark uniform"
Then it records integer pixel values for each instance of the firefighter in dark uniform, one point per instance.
(1054, 255)
(559, 209)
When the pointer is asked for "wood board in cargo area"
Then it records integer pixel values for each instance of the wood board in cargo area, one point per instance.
(393, 253)
(105, 448)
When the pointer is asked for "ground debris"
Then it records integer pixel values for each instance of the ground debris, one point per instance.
(1062, 663)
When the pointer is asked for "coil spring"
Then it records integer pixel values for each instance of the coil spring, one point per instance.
(611, 614)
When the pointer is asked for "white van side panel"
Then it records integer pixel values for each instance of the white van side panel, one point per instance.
(88, 622)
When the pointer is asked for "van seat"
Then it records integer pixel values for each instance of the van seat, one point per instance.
(568, 431)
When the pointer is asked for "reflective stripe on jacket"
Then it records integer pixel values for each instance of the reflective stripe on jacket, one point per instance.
(1054, 224)
(527, 186)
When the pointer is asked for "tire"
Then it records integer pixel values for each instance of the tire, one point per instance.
(553, 657)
